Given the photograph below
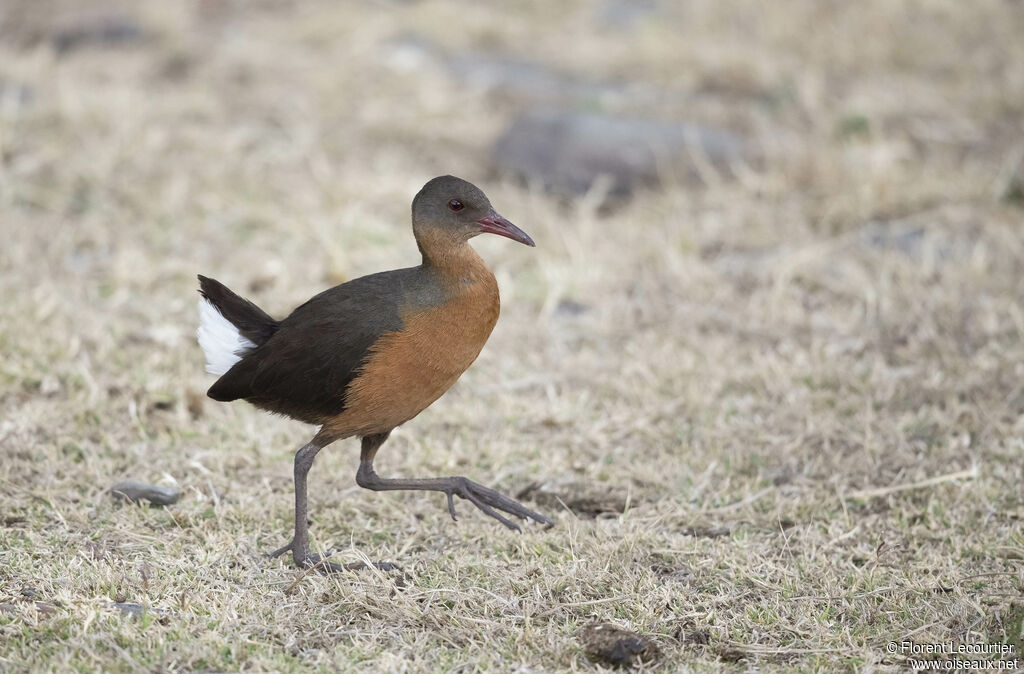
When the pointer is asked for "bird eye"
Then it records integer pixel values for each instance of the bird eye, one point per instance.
(455, 205)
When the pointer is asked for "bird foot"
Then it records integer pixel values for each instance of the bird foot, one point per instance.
(490, 501)
(309, 560)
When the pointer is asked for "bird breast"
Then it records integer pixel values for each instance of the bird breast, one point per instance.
(409, 369)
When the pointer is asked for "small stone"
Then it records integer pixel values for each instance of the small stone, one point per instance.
(568, 307)
(702, 531)
(568, 151)
(135, 611)
(612, 645)
(137, 491)
(129, 609)
(101, 30)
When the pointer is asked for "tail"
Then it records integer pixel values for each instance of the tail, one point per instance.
(229, 326)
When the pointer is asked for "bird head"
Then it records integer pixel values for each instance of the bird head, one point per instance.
(453, 210)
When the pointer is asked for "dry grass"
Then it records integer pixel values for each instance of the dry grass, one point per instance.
(804, 388)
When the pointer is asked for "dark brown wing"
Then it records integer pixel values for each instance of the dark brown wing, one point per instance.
(303, 370)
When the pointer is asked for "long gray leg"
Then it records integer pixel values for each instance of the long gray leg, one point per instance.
(299, 545)
(484, 498)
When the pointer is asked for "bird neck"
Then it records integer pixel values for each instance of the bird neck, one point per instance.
(455, 260)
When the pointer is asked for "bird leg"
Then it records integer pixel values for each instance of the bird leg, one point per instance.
(299, 545)
(484, 498)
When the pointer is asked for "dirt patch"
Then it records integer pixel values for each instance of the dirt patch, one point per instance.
(583, 500)
(615, 646)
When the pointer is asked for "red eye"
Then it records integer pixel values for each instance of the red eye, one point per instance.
(455, 205)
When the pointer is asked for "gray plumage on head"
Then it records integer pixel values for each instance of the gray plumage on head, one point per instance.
(450, 203)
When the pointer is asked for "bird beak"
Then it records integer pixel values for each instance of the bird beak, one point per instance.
(492, 223)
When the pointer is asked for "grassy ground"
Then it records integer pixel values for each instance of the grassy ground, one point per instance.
(779, 419)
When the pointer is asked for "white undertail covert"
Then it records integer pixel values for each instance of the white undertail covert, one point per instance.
(220, 340)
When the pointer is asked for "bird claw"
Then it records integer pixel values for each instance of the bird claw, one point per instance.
(451, 505)
(490, 501)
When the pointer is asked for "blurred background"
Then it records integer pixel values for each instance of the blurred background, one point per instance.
(764, 364)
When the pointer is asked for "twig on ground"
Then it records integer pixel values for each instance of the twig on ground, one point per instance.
(969, 474)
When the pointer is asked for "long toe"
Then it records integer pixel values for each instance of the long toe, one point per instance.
(488, 510)
(495, 499)
(380, 566)
(321, 564)
(280, 551)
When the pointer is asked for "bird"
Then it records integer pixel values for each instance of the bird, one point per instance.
(368, 355)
